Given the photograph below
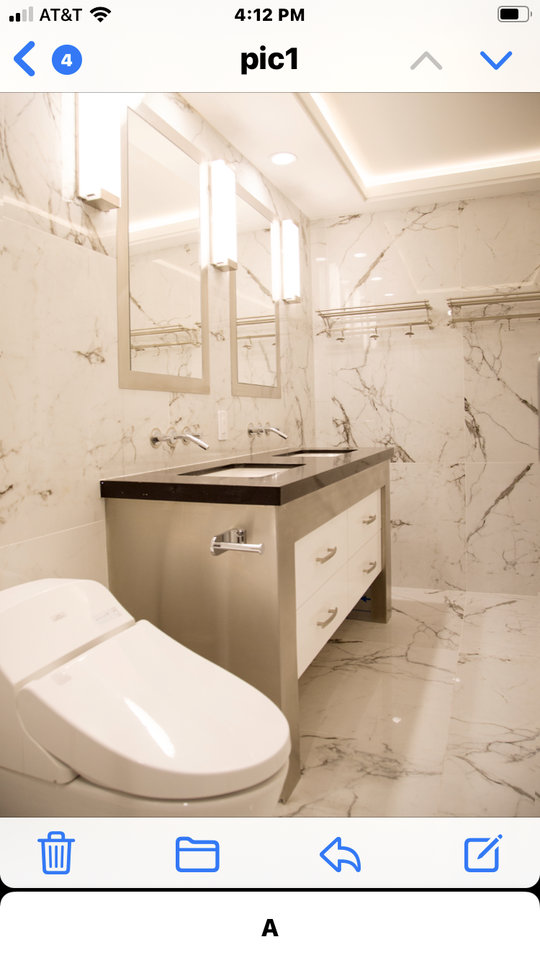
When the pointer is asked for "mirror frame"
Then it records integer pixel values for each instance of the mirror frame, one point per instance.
(136, 379)
(239, 389)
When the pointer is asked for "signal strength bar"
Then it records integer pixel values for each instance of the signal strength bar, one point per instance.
(23, 17)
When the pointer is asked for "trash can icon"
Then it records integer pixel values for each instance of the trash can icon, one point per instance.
(56, 852)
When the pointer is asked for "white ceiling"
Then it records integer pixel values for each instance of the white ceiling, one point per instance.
(367, 151)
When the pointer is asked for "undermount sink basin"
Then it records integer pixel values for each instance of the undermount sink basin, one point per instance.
(316, 453)
(243, 470)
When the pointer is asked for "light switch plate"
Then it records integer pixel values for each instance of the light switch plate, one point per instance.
(223, 425)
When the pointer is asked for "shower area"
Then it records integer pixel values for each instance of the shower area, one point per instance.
(427, 337)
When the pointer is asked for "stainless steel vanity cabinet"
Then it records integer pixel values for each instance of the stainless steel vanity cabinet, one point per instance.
(325, 529)
(334, 566)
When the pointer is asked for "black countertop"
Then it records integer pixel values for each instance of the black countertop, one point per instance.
(301, 477)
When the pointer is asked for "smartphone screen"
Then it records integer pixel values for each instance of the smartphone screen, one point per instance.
(269, 502)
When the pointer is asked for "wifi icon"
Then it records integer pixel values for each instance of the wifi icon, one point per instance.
(100, 13)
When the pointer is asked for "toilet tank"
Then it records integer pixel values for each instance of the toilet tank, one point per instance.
(42, 625)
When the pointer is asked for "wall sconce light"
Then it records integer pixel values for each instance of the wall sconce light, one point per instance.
(275, 251)
(98, 150)
(290, 245)
(223, 192)
(99, 121)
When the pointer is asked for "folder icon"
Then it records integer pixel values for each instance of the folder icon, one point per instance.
(196, 856)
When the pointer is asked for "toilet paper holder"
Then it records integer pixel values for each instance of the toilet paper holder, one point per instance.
(234, 539)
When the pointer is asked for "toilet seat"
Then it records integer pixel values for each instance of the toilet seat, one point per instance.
(142, 714)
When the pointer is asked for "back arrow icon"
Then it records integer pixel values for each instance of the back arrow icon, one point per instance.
(335, 861)
(18, 58)
(428, 55)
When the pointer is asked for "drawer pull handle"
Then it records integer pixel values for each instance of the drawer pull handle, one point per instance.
(371, 567)
(370, 519)
(324, 623)
(331, 552)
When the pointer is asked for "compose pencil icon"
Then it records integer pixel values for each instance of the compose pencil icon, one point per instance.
(476, 854)
(489, 847)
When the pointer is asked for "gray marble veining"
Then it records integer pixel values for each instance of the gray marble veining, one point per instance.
(434, 714)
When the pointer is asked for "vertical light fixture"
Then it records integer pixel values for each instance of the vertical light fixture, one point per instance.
(275, 253)
(223, 195)
(290, 246)
(99, 121)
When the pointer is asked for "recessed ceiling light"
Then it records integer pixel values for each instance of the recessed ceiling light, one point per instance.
(360, 254)
(320, 259)
(389, 294)
(376, 278)
(283, 158)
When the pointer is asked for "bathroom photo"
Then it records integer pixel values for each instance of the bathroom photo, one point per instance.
(269, 455)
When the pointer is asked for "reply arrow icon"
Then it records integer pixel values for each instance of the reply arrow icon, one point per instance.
(335, 855)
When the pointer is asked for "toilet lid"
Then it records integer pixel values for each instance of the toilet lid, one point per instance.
(143, 714)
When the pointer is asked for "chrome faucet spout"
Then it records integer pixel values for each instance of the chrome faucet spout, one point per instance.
(268, 429)
(186, 437)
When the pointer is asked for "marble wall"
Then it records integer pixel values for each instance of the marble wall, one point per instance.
(459, 403)
(65, 424)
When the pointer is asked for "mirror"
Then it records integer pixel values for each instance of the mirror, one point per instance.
(254, 314)
(162, 259)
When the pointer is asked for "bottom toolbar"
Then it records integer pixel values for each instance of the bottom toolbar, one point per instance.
(311, 853)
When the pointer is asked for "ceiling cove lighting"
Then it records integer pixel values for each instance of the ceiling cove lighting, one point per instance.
(290, 251)
(282, 159)
(223, 193)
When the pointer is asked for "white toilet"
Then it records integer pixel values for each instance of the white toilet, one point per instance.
(103, 717)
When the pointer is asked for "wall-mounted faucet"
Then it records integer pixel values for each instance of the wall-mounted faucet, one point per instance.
(268, 429)
(187, 436)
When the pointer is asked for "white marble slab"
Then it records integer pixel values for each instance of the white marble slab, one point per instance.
(493, 758)
(503, 527)
(375, 708)
(499, 241)
(501, 389)
(427, 510)
(406, 391)
(39, 172)
(433, 714)
(79, 552)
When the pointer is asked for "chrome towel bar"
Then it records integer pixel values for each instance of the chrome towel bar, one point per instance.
(234, 539)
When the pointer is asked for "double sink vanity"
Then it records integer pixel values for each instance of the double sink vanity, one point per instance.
(253, 562)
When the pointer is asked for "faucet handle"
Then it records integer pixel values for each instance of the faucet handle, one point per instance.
(255, 431)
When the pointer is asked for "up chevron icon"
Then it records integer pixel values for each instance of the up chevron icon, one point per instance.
(492, 62)
(423, 57)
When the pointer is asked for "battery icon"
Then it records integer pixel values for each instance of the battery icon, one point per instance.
(513, 14)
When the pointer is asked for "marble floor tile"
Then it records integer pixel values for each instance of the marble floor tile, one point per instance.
(493, 755)
(433, 714)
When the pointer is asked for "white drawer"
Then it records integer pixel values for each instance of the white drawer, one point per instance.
(319, 616)
(364, 519)
(318, 555)
(363, 568)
